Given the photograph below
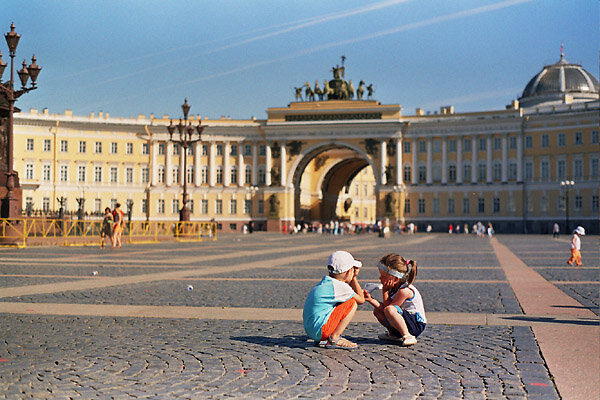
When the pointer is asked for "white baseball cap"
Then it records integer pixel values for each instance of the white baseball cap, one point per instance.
(580, 230)
(341, 261)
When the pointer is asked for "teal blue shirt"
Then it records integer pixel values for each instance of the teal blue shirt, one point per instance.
(321, 301)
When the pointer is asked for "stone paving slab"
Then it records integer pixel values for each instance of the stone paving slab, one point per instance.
(100, 357)
(449, 296)
(140, 334)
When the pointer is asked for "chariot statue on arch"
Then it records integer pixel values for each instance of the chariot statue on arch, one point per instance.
(335, 89)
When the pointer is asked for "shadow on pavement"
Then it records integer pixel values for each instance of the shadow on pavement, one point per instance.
(588, 322)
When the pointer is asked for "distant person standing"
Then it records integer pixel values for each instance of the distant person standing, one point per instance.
(490, 230)
(107, 228)
(576, 246)
(118, 216)
(555, 230)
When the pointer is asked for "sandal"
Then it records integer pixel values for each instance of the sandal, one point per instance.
(331, 344)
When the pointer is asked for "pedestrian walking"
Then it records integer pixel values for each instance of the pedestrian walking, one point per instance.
(555, 230)
(576, 246)
(119, 221)
(402, 312)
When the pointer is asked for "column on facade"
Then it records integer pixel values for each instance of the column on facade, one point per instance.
(399, 162)
(383, 162)
(504, 158)
(488, 169)
(414, 162)
(444, 161)
(474, 159)
(169, 164)
(154, 163)
(226, 166)
(459, 166)
(197, 163)
(429, 161)
(211, 163)
(519, 158)
(254, 164)
(268, 165)
(240, 165)
(283, 155)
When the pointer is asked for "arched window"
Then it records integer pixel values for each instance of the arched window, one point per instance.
(219, 174)
(248, 174)
(234, 174)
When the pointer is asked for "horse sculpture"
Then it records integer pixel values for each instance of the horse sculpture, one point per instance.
(308, 92)
(350, 90)
(298, 93)
(360, 90)
(318, 90)
(327, 90)
(370, 91)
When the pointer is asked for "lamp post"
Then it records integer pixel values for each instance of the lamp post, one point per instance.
(567, 185)
(10, 206)
(186, 139)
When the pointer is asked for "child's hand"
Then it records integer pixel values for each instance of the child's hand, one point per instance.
(356, 271)
(367, 295)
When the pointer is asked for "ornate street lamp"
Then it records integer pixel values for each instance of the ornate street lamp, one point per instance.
(567, 185)
(8, 97)
(186, 139)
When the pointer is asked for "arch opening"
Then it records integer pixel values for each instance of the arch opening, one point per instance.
(334, 182)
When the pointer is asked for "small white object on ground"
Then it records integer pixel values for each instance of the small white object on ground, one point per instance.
(370, 286)
(190, 288)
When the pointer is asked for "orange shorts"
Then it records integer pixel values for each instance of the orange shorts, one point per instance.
(339, 313)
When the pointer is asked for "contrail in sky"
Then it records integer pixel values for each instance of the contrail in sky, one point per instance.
(391, 31)
(281, 29)
(403, 28)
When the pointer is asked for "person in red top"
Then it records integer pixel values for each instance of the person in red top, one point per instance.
(118, 216)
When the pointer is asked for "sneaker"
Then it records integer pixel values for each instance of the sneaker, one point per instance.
(409, 340)
(390, 338)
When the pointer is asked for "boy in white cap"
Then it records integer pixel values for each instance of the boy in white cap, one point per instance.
(576, 246)
(332, 303)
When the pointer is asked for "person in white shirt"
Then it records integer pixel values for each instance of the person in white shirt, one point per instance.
(576, 246)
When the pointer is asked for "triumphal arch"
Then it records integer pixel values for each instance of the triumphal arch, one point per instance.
(322, 142)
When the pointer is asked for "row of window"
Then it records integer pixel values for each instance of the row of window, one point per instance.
(98, 146)
(544, 172)
(161, 206)
(114, 148)
(561, 141)
(98, 172)
(496, 205)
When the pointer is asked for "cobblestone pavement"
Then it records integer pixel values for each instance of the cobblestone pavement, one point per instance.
(96, 357)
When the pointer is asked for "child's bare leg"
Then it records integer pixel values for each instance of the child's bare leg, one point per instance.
(396, 320)
(344, 322)
(379, 314)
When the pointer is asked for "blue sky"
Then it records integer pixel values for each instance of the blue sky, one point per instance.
(239, 57)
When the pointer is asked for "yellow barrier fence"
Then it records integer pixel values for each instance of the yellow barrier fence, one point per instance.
(20, 231)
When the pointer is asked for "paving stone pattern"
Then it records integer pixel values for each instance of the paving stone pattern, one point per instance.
(44, 356)
(548, 257)
(71, 357)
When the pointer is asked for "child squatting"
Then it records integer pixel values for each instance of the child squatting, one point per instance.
(332, 303)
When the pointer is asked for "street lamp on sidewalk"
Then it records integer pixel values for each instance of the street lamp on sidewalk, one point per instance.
(567, 185)
(186, 139)
(8, 97)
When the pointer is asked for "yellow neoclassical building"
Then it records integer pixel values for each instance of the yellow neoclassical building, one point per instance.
(334, 157)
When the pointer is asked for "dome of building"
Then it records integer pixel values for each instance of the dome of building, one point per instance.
(560, 83)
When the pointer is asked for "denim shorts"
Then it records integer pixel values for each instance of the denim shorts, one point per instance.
(415, 327)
